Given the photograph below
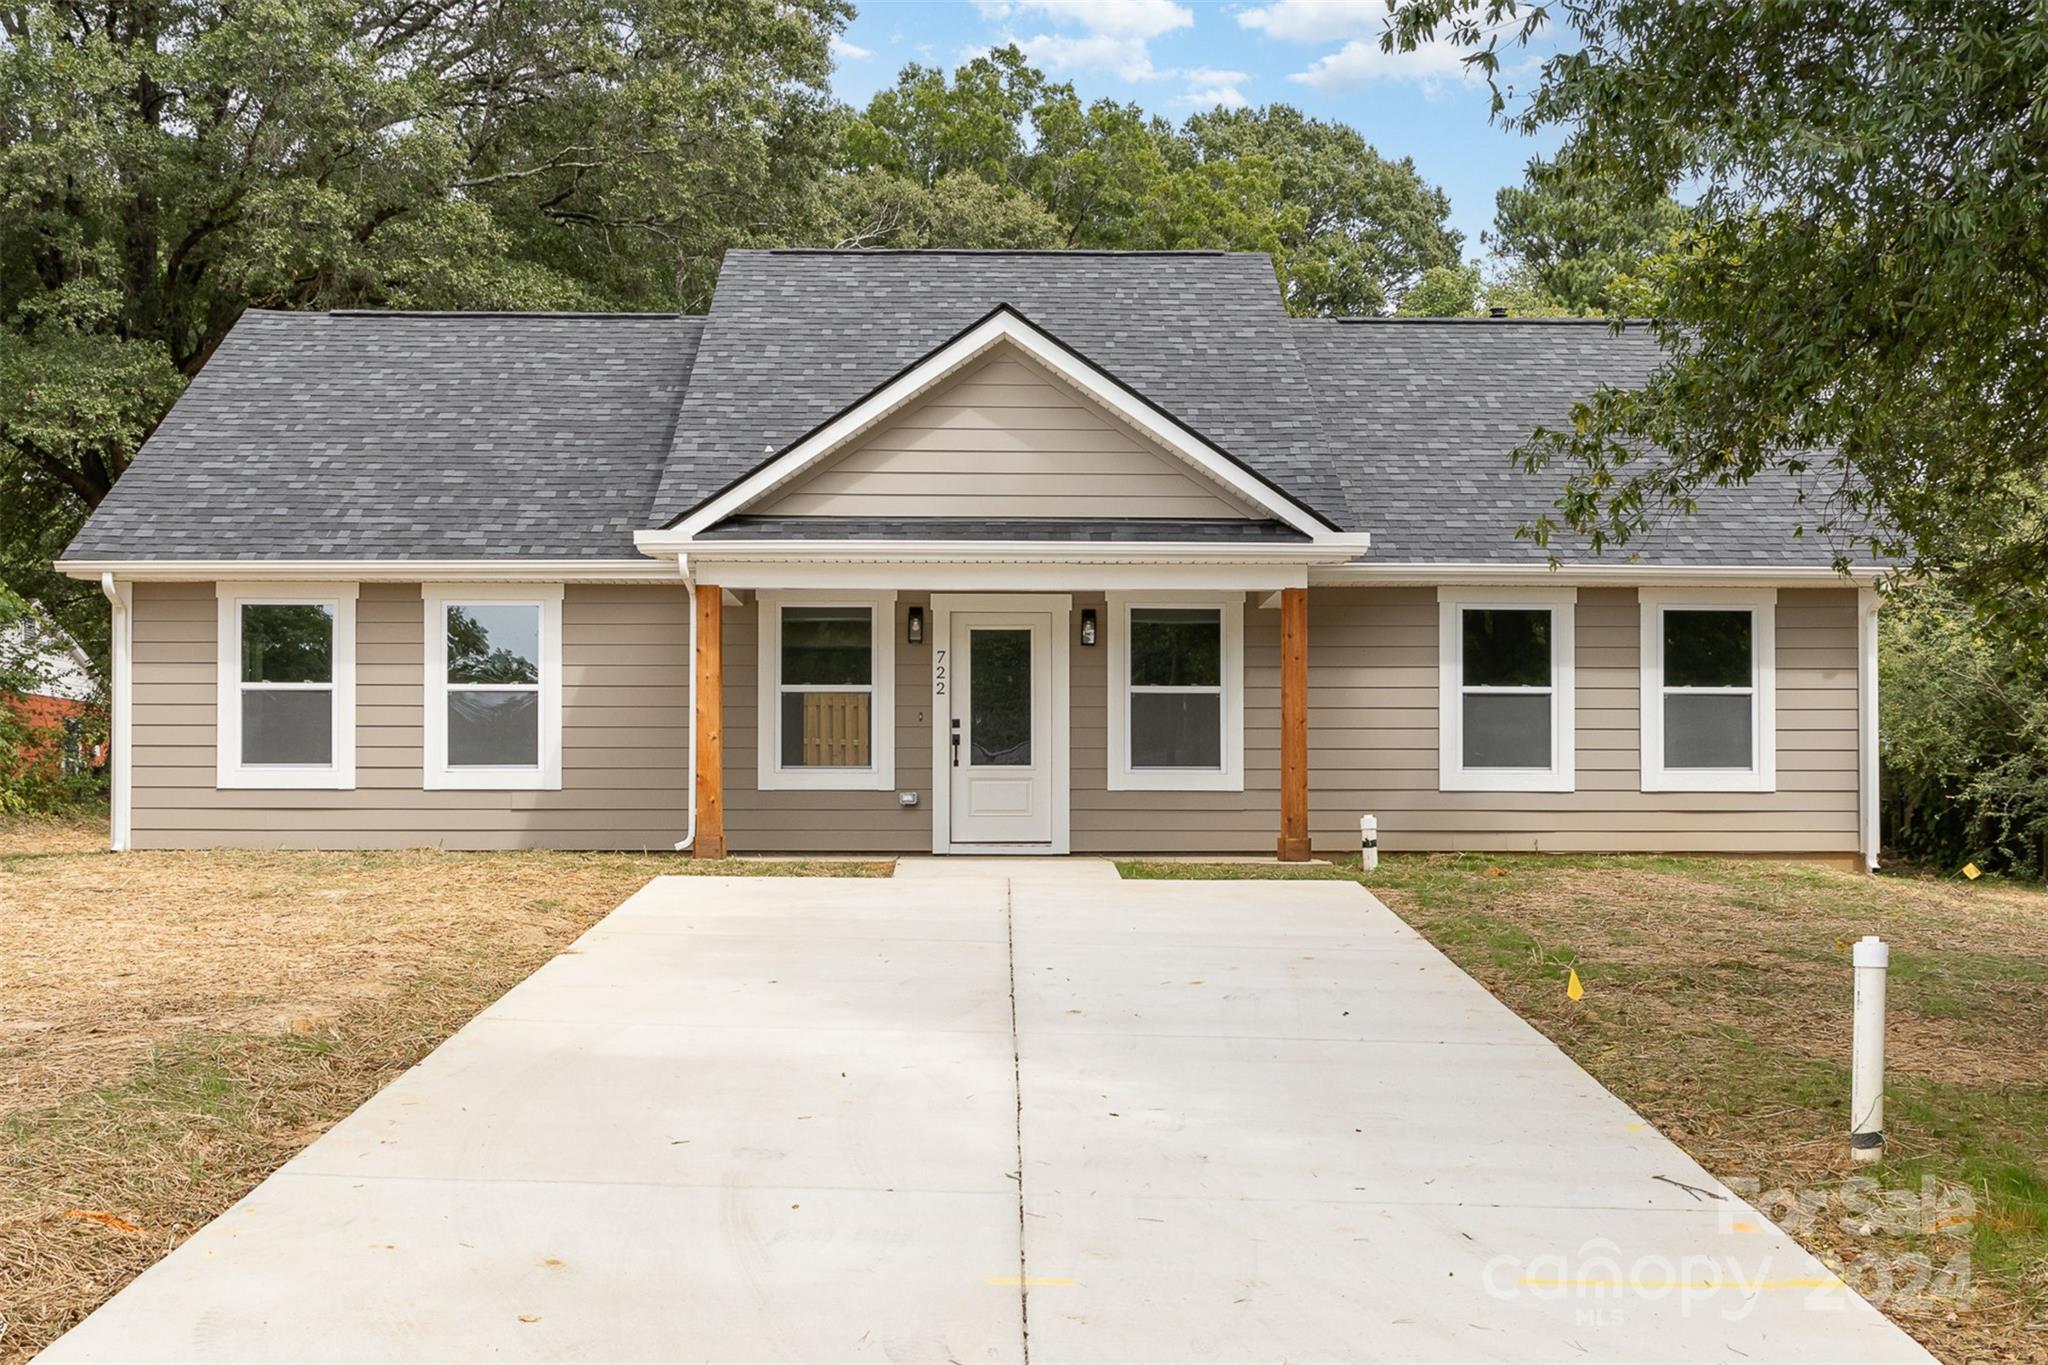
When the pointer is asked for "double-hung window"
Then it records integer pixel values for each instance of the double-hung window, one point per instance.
(827, 674)
(1176, 693)
(1708, 688)
(286, 697)
(1505, 697)
(494, 687)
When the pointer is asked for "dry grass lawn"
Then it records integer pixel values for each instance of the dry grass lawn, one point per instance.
(1717, 1004)
(176, 1025)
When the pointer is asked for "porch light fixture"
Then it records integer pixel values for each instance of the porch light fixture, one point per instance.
(916, 626)
(1088, 625)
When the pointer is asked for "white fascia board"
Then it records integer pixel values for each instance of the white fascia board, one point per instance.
(1001, 326)
(1011, 576)
(375, 570)
(1336, 549)
(1616, 575)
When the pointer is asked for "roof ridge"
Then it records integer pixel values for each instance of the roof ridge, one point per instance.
(992, 251)
(558, 314)
(1361, 320)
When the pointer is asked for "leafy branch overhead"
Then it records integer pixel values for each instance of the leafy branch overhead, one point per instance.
(1859, 294)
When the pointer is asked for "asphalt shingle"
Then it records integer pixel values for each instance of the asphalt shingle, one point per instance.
(408, 436)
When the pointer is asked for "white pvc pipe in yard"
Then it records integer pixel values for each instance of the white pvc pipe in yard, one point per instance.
(1368, 842)
(1866, 1068)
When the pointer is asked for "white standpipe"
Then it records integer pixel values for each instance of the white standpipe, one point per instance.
(1866, 1069)
(1368, 842)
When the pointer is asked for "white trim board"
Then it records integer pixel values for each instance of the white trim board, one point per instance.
(1061, 608)
(1004, 326)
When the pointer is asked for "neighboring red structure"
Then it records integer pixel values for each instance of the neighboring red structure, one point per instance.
(55, 723)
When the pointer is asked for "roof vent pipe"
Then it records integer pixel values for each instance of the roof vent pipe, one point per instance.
(1497, 311)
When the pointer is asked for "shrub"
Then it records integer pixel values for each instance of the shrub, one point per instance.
(1964, 715)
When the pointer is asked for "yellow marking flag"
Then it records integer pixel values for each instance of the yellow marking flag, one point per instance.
(1572, 988)
(1971, 871)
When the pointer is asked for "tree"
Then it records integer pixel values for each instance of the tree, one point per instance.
(876, 209)
(165, 166)
(924, 128)
(1369, 226)
(1583, 240)
(1860, 297)
(1445, 291)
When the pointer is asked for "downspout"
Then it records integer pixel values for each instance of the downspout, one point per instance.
(1866, 724)
(120, 742)
(689, 838)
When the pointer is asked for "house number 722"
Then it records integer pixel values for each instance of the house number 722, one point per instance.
(939, 672)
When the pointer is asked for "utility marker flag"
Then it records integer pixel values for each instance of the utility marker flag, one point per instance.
(1572, 988)
(1970, 871)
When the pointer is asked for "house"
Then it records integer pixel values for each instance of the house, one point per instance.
(951, 552)
(50, 695)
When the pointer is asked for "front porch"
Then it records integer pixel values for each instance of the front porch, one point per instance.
(1141, 717)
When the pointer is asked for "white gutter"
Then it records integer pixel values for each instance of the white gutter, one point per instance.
(1329, 550)
(689, 839)
(121, 743)
(374, 570)
(1619, 575)
(1867, 768)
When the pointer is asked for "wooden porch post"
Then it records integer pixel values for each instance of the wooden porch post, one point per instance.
(710, 722)
(1293, 843)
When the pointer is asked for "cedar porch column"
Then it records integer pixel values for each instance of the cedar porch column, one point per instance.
(709, 750)
(1293, 844)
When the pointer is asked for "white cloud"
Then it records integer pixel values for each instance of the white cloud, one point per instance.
(1316, 21)
(848, 52)
(1208, 88)
(1140, 19)
(1361, 61)
(1061, 53)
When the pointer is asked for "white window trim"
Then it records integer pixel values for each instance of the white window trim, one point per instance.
(1452, 774)
(1762, 606)
(231, 772)
(770, 775)
(1122, 777)
(543, 776)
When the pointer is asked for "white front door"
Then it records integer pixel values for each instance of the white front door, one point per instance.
(1000, 737)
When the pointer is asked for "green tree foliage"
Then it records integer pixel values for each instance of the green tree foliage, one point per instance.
(875, 209)
(1586, 241)
(165, 166)
(1348, 229)
(1964, 726)
(1861, 297)
(1445, 291)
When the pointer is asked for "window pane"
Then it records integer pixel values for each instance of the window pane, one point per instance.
(287, 643)
(999, 712)
(493, 729)
(1176, 647)
(1711, 731)
(1507, 649)
(288, 727)
(1176, 730)
(493, 643)
(1507, 730)
(825, 729)
(827, 646)
(1706, 649)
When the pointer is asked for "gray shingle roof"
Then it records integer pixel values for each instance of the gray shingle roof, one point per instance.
(795, 337)
(460, 436)
(1420, 417)
(1035, 528)
(408, 436)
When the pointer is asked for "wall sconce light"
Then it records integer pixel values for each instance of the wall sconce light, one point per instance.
(917, 625)
(1087, 625)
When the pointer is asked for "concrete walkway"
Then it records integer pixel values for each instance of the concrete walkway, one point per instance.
(992, 1111)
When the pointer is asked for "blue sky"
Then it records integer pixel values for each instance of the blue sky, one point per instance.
(1174, 57)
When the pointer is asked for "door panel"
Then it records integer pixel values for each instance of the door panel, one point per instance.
(1002, 711)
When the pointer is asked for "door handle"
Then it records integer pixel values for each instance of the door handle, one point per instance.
(956, 741)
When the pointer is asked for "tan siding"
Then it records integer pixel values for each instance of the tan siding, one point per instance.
(625, 736)
(1373, 738)
(1006, 438)
(826, 821)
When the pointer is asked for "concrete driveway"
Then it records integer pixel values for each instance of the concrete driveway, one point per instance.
(990, 1112)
